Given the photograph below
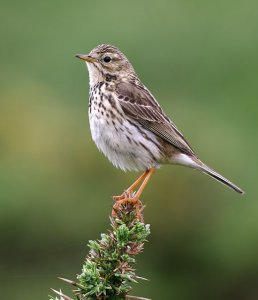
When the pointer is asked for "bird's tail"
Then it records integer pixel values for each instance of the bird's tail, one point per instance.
(193, 162)
(207, 170)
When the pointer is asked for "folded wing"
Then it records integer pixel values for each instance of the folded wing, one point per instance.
(137, 103)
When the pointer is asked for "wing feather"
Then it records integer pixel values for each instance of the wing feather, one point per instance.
(138, 103)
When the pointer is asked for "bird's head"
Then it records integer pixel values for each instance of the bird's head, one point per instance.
(106, 62)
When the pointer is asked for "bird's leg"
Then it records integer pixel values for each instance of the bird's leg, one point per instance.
(143, 185)
(134, 199)
(127, 193)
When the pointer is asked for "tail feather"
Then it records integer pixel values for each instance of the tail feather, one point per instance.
(207, 170)
(195, 163)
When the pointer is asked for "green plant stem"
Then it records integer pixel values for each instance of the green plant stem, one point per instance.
(108, 270)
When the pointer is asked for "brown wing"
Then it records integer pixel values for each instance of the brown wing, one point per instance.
(139, 104)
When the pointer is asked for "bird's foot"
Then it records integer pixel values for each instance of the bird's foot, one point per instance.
(133, 201)
(126, 195)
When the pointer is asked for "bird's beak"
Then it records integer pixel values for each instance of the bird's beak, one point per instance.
(86, 57)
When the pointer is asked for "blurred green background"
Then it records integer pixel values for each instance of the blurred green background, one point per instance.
(199, 58)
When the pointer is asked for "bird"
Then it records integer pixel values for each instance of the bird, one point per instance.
(129, 126)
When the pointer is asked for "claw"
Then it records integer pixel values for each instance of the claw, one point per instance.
(126, 194)
(133, 201)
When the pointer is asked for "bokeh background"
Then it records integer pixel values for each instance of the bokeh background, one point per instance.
(199, 58)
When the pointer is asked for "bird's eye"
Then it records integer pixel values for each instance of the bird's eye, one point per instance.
(107, 59)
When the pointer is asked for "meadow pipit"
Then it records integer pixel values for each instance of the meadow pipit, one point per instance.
(129, 126)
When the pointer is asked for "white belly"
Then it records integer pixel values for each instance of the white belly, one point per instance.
(123, 144)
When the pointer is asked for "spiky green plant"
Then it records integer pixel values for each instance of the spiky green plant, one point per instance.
(108, 270)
